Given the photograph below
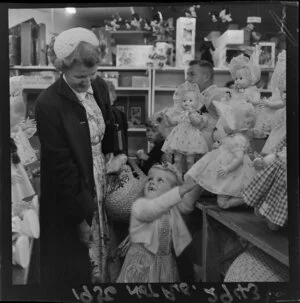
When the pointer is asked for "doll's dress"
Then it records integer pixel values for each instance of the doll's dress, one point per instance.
(267, 192)
(185, 138)
(142, 266)
(25, 151)
(22, 188)
(278, 132)
(204, 172)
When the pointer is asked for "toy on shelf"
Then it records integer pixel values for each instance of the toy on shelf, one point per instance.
(186, 140)
(226, 170)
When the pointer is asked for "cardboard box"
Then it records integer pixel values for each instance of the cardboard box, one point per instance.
(134, 55)
(140, 81)
(232, 37)
(185, 41)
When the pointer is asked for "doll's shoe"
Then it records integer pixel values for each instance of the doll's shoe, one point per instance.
(31, 224)
(21, 252)
(272, 226)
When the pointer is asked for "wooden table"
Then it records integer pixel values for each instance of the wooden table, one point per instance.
(245, 224)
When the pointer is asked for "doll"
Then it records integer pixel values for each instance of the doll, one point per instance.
(186, 140)
(21, 130)
(267, 192)
(226, 170)
(25, 223)
(278, 121)
(246, 74)
(157, 230)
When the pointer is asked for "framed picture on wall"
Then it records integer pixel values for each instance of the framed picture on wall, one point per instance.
(266, 54)
(136, 115)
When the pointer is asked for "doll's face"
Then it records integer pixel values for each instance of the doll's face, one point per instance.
(159, 182)
(189, 101)
(17, 110)
(242, 78)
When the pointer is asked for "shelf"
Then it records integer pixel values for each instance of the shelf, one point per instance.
(52, 68)
(132, 88)
(36, 86)
(165, 88)
(130, 32)
(136, 129)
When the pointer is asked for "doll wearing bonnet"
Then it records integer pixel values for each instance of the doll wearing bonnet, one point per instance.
(186, 139)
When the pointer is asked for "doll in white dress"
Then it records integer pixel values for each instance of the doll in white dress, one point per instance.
(186, 140)
(246, 74)
(21, 130)
(226, 170)
(25, 222)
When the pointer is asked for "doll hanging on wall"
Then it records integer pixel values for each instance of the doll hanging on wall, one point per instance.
(186, 140)
(226, 170)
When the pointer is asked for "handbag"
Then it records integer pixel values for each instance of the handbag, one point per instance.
(122, 190)
(112, 140)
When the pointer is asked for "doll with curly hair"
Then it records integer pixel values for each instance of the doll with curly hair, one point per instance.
(186, 140)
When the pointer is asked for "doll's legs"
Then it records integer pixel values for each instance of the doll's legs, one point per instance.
(228, 201)
(178, 158)
(190, 160)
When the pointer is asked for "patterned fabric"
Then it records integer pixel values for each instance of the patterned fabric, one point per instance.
(267, 192)
(254, 265)
(205, 170)
(142, 266)
(185, 138)
(100, 239)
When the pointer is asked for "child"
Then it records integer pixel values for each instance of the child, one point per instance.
(156, 139)
(186, 140)
(157, 229)
(226, 170)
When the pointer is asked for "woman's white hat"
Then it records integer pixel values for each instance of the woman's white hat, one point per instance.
(66, 42)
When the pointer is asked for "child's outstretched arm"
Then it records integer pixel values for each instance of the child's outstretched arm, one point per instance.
(236, 162)
(150, 209)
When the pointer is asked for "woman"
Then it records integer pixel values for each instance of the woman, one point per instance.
(73, 117)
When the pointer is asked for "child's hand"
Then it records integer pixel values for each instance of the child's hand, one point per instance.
(195, 118)
(141, 155)
(269, 158)
(259, 163)
(187, 186)
(221, 172)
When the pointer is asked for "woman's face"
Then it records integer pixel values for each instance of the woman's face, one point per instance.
(79, 77)
(159, 182)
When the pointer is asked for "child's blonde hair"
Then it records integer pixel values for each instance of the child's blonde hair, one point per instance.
(243, 62)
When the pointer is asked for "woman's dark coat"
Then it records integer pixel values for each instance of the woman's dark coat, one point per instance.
(67, 181)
